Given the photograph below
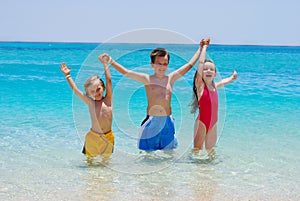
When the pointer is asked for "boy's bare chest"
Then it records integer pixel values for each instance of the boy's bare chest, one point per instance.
(159, 91)
(102, 109)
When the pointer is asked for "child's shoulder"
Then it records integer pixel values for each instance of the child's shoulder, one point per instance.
(107, 100)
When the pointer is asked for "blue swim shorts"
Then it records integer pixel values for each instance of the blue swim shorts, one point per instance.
(157, 133)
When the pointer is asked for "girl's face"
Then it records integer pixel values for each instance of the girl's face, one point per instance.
(209, 71)
(96, 90)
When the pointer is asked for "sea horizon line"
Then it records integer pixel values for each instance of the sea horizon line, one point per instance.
(148, 43)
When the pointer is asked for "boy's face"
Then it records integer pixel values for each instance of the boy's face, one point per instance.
(160, 65)
(96, 90)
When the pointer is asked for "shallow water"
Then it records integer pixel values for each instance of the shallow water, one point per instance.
(43, 127)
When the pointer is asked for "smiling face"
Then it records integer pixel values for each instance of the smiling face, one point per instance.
(159, 61)
(96, 90)
(209, 71)
(160, 65)
(94, 87)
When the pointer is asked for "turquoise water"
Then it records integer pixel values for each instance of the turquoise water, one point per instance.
(43, 126)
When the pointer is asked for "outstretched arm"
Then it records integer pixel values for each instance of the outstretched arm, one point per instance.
(107, 76)
(66, 71)
(227, 80)
(140, 77)
(175, 75)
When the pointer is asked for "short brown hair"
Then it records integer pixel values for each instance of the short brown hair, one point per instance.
(159, 52)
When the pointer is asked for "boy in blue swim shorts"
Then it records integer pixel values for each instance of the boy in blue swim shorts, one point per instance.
(157, 130)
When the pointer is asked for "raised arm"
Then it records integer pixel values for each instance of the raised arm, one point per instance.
(105, 61)
(140, 77)
(226, 81)
(204, 44)
(66, 71)
(185, 68)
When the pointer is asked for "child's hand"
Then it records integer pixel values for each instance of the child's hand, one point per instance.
(234, 75)
(202, 42)
(104, 58)
(64, 69)
(206, 41)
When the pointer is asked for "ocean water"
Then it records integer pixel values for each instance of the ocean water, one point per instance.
(43, 126)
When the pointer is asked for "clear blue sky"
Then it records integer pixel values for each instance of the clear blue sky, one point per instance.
(265, 22)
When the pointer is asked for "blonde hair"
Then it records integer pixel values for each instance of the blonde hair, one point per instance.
(91, 81)
(194, 103)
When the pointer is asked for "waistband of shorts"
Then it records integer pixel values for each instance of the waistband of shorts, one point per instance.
(100, 133)
(159, 116)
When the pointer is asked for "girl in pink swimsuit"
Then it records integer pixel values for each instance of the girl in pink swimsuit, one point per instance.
(205, 98)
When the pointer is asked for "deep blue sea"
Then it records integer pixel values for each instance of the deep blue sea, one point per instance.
(43, 126)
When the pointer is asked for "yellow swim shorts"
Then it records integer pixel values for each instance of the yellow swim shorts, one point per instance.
(98, 144)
